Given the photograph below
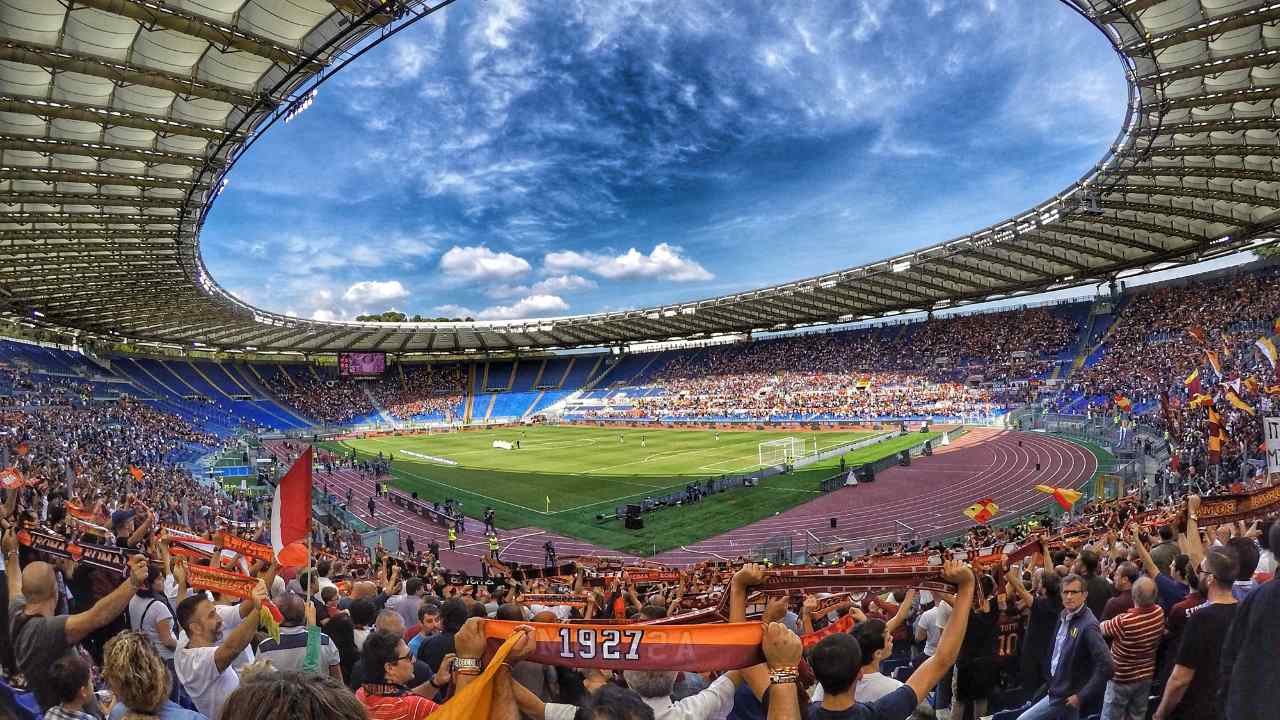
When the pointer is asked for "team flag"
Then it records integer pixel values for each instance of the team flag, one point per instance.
(1196, 332)
(1275, 326)
(1214, 362)
(136, 472)
(1215, 449)
(1252, 385)
(1239, 404)
(11, 479)
(1226, 347)
(1201, 400)
(1268, 349)
(1123, 402)
(291, 513)
(22, 449)
(982, 511)
(1066, 497)
(1192, 383)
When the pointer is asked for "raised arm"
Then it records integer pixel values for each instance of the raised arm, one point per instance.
(1195, 546)
(931, 672)
(12, 570)
(108, 608)
(900, 617)
(1147, 562)
(782, 650)
(238, 639)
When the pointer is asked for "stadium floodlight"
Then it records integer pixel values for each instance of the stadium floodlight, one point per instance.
(780, 451)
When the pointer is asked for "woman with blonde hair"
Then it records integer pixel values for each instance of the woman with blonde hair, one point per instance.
(139, 680)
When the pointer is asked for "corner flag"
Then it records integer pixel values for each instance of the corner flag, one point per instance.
(548, 503)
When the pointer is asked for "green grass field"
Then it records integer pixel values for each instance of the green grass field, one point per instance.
(588, 471)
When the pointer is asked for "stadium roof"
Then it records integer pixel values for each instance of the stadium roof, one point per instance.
(120, 118)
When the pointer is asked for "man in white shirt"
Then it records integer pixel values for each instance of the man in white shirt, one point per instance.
(654, 687)
(204, 666)
(929, 629)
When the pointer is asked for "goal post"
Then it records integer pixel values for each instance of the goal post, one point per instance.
(780, 451)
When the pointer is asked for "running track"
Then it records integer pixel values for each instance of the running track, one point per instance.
(929, 496)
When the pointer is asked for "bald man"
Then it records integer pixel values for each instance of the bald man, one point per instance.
(40, 635)
(290, 652)
(1136, 634)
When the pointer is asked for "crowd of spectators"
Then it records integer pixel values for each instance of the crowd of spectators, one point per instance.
(402, 391)
(939, 367)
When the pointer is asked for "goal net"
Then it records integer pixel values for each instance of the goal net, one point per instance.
(782, 450)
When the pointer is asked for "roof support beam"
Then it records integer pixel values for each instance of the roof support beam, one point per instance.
(31, 218)
(99, 151)
(1204, 126)
(1067, 244)
(107, 117)
(59, 60)
(1007, 262)
(154, 14)
(1163, 210)
(1206, 151)
(1206, 172)
(1130, 8)
(83, 234)
(1246, 95)
(89, 177)
(1194, 192)
(88, 199)
(1202, 29)
(1112, 238)
(1139, 225)
(1002, 279)
(1215, 66)
(1047, 257)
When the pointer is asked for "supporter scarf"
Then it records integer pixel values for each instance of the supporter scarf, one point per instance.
(1230, 508)
(475, 701)
(550, 599)
(844, 624)
(237, 544)
(203, 577)
(50, 543)
(696, 648)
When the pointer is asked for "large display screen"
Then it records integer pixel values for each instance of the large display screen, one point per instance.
(361, 364)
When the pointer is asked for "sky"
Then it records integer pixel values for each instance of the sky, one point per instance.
(506, 159)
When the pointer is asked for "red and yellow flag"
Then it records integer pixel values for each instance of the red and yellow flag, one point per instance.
(1239, 404)
(1214, 362)
(1215, 449)
(1123, 402)
(982, 511)
(1268, 349)
(1192, 383)
(1065, 497)
(1252, 385)
(1196, 332)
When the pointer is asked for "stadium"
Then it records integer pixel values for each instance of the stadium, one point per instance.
(1079, 395)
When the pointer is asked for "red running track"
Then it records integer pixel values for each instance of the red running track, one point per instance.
(928, 496)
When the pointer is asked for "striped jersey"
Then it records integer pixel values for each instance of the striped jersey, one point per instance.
(1135, 635)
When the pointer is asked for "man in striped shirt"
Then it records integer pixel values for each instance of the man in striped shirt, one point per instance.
(1135, 635)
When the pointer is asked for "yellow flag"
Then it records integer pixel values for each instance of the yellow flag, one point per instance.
(475, 701)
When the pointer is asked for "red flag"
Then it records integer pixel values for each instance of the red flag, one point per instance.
(1196, 332)
(1214, 362)
(291, 513)
(136, 472)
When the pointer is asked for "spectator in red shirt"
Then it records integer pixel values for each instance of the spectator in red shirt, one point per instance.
(1125, 575)
(1135, 635)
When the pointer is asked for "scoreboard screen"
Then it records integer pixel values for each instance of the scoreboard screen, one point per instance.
(361, 364)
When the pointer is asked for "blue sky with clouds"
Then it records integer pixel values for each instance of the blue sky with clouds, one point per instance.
(519, 158)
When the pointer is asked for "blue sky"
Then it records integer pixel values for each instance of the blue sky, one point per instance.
(513, 158)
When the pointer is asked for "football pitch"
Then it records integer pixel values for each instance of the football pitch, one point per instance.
(588, 471)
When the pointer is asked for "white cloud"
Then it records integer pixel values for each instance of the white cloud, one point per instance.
(455, 311)
(324, 315)
(549, 286)
(664, 261)
(368, 292)
(531, 306)
(480, 263)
